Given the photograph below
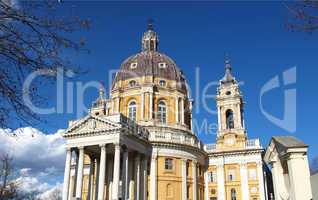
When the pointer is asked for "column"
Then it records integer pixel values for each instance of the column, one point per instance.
(153, 177)
(97, 178)
(150, 105)
(177, 109)
(261, 184)
(91, 179)
(137, 178)
(113, 105)
(239, 116)
(275, 175)
(182, 111)
(109, 177)
(299, 176)
(194, 176)
(125, 177)
(145, 177)
(73, 194)
(244, 181)
(184, 179)
(79, 182)
(117, 104)
(115, 194)
(206, 185)
(67, 173)
(220, 182)
(142, 107)
(131, 181)
(219, 118)
(102, 169)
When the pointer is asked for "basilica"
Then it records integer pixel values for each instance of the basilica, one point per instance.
(139, 143)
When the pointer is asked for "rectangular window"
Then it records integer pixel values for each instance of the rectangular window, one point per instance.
(168, 164)
(231, 175)
(252, 174)
(212, 177)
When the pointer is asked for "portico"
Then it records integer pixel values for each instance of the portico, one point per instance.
(110, 160)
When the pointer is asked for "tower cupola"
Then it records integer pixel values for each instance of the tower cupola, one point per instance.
(150, 39)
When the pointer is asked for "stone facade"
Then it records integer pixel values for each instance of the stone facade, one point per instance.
(139, 143)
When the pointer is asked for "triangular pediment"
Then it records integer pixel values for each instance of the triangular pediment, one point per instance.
(91, 124)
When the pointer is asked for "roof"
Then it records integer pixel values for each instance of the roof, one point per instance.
(289, 142)
(148, 63)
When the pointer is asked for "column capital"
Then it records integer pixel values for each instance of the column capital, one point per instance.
(259, 163)
(137, 156)
(102, 145)
(80, 147)
(194, 162)
(117, 145)
(154, 154)
(220, 166)
(243, 164)
(184, 160)
(68, 149)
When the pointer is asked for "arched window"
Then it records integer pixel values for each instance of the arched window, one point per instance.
(162, 112)
(233, 194)
(132, 107)
(162, 83)
(132, 83)
(229, 119)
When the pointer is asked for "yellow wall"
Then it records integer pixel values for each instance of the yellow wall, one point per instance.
(168, 94)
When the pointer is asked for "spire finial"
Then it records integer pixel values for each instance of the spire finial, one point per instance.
(227, 61)
(228, 70)
(150, 24)
(101, 90)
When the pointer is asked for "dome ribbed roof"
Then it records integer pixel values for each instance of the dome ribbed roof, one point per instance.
(149, 63)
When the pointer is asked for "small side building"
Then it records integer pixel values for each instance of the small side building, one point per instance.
(287, 157)
(314, 185)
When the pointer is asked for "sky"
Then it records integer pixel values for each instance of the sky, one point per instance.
(198, 36)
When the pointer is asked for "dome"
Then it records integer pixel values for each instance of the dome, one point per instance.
(150, 62)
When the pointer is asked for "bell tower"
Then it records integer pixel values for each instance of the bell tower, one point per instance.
(231, 128)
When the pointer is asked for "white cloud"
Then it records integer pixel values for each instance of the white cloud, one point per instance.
(38, 157)
(52, 193)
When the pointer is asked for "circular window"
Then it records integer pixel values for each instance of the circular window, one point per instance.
(228, 93)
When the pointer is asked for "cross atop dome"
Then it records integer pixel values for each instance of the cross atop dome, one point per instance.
(150, 24)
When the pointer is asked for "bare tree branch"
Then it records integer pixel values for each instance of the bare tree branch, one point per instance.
(33, 37)
(303, 15)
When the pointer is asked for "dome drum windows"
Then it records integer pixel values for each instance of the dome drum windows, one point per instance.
(132, 83)
(162, 112)
(132, 110)
(162, 83)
